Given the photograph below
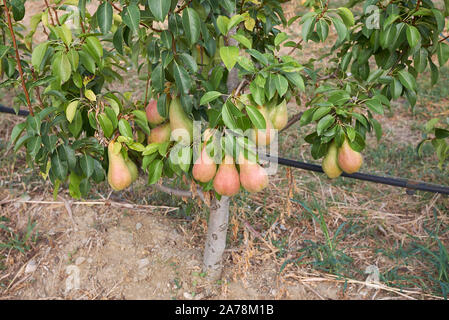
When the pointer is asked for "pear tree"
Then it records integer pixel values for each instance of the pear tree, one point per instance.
(217, 78)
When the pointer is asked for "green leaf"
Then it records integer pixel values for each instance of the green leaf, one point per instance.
(18, 9)
(131, 17)
(16, 132)
(229, 56)
(375, 106)
(222, 24)
(413, 36)
(281, 84)
(228, 118)
(243, 40)
(192, 25)
(125, 128)
(407, 79)
(377, 128)
(95, 45)
(71, 110)
(159, 8)
(64, 34)
(87, 165)
(322, 28)
(106, 125)
(34, 145)
(342, 31)
(347, 16)
(296, 79)
(58, 167)
(307, 28)
(235, 20)
(209, 96)
(104, 17)
(182, 78)
(87, 61)
(155, 171)
(158, 78)
(443, 53)
(256, 117)
(61, 67)
(246, 63)
(257, 93)
(189, 62)
(320, 112)
(324, 124)
(38, 55)
(280, 37)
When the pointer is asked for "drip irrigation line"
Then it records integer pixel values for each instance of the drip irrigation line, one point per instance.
(410, 185)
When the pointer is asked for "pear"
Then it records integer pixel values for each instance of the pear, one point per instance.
(279, 115)
(153, 115)
(180, 122)
(160, 134)
(253, 177)
(119, 174)
(132, 169)
(204, 168)
(330, 162)
(263, 137)
(349, 160)
(227, 181)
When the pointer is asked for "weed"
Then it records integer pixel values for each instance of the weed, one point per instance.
(18, 241)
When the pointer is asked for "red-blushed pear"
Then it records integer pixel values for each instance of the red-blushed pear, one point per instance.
(263, 137)
(330, 162)
(349, 160)
(153, 115)
(160, 134)
(119, 175)
(279, 115)
(132, 169)
(204, 168)
(180, 124)
(227, 181)
(253, 177)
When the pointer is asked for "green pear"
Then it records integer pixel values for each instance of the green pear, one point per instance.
(263, 137)
(227, 181)
(119, 174)
(160, 134)
(153, 114)
(330, 162)
(279, 115)
(349, 160)
(180, 124)
(253, 177)
(132, 169)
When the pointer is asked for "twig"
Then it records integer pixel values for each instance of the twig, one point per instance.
(49, 13)
(295, 47)
(240, 87)
(179, 192)
(183, 7)
(19, 65)
(293, 120)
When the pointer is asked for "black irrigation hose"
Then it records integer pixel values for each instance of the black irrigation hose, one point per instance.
(410, 185)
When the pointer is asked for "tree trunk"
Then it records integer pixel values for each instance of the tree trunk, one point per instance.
(217, 230)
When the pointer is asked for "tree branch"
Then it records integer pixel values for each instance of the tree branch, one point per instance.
(19, 65)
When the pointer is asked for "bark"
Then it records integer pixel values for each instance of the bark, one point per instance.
(217, 228)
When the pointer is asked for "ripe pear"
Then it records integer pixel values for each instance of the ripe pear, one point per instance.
(204, 168)
(349, 160)
(279, 115)
(180, 122)
(119, 174)
(160, 134)
(330, 162)
(253, 177)
(153, 115)
(132, 169)
(227, 181)
(263, 137)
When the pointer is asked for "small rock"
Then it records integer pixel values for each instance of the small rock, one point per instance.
(138, 225)
(31, 267)
(188, 296)
(143, 263)
(89, 260)
(79, 260)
